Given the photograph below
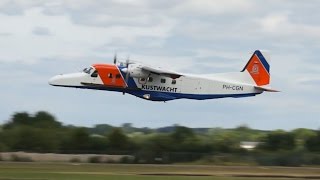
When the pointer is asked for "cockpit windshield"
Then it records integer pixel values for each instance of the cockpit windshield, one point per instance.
(88, 70)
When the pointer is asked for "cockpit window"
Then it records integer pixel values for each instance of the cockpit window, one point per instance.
(94, 74)
(87, 70)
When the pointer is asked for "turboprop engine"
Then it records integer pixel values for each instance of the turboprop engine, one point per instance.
(136, 71)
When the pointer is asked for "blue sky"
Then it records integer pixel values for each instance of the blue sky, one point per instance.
(39, 39)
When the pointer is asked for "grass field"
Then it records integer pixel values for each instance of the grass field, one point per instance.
(68, 171)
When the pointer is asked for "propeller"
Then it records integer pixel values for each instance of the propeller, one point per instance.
(126, 70)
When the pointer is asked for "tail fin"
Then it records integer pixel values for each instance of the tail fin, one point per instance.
(259, 68)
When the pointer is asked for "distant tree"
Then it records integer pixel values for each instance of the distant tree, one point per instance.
(26, 138)
(127, 128)
(3, 145)
(101, 129)
(226, 142)
(160, 143)
(98, 144)
(20, 118)
(118, 140)
(76, 140)
(313, 143)
(80, 138)
(243, 128)
(181, 133)
(279, 140)
(302, 135)
(41, 119)
(183, 139)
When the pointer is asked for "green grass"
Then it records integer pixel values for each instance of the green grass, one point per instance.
(49, 176)
(68, 171)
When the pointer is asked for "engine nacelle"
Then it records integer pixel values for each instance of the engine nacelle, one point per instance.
(137, 72)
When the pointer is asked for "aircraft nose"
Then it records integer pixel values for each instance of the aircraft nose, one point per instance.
(55, 80)
(72, 79)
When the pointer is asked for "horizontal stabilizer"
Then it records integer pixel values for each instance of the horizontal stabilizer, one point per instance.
(265, 89)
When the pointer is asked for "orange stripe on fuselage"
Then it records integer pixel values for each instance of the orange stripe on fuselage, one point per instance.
(258, 71)
(108, 74)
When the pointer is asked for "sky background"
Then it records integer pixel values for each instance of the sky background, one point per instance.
(39, 39)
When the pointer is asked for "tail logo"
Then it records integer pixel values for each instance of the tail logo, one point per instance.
(255, 69)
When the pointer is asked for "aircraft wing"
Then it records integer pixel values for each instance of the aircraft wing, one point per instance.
(161, 71)
(264, 88)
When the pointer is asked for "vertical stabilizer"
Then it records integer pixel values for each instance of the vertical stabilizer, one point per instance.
(258, 67)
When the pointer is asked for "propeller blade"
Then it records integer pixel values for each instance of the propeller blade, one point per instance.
(127, 74)
(127, 62)
(126, 70)
(115, 58)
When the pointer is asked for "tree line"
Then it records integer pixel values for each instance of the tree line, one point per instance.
(42, 133)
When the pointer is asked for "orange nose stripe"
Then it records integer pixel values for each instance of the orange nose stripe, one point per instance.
(110, 75)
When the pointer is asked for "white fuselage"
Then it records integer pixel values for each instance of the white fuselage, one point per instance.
(219, 84)
(157, 84)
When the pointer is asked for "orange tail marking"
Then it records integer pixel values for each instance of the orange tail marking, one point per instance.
(257, 71)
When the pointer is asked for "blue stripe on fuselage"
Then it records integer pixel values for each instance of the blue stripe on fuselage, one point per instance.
(167, 96)
(164, 96)
(131, 83)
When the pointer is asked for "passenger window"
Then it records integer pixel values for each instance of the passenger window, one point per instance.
(142, 80)
(174, 81)
(163, 80)
(118, 76)
(150, 79)
(94, 74)
(110, 75)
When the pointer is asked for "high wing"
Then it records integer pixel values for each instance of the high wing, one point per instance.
(161, 71)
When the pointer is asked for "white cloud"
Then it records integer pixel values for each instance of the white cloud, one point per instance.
(310, 81)
(272, 22)
(67, 38)
(280, 25)
(41, 31)
(209, 7)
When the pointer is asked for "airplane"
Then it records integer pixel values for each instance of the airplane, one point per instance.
(158, 84)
